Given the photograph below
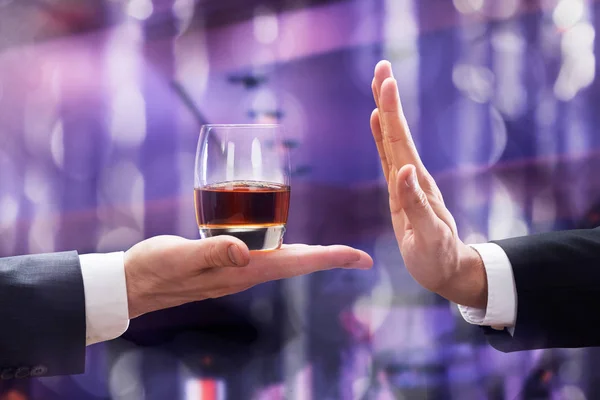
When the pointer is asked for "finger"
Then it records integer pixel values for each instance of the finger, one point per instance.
(378, 136)
(399, 220)
(383, 70)
(296, 260)
(415, 204)
(375, 90)
(401, 149)
(221, 251)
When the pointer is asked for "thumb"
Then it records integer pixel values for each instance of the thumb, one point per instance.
(414, 202)
(222, 251)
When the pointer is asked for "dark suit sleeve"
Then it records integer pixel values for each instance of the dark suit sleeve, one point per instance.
(557, 276)
(42, 316)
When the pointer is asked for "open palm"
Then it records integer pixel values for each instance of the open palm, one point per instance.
(424, 228)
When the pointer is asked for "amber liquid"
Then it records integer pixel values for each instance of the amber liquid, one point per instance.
(255, 212)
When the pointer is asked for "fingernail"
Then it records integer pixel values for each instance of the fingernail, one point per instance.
(411, 181)
(235, 254)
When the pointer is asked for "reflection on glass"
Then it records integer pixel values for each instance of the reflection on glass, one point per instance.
(242, 184)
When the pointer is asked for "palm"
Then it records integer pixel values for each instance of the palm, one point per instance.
(428, 261)
(431, 247)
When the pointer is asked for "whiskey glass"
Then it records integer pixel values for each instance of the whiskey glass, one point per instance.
(242, 184)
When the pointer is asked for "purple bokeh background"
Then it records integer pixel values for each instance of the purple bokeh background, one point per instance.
(97, 153)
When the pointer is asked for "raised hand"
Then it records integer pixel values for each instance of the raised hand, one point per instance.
(167, 271)
(424, 228)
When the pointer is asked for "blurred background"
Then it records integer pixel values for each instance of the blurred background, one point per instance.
(101, 103)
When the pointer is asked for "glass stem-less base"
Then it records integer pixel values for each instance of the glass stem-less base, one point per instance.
(256, 237)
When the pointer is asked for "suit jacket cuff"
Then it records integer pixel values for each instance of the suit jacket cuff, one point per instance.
(501, 309)
(106, 307)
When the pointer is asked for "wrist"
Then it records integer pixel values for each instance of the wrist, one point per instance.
(134, 301)
(468, 287)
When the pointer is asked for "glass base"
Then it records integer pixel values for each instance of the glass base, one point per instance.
(255, 237)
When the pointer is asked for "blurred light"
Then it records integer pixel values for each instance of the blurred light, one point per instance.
(579, 39)
(39, 116)
(184, 11)
(122, 189)
(125, 380)
(9, 211)
(264, 56)
(295, 116)
(266, 25)
(271, 392)
(506, 8)
(302, 387)
(544, 210)
(508, 41)
(123, 55)
(401, 23)
(567, 13)
(42, 234)
(36, 186)
(360, 61)
(192, 64)
(205, 389)
(52, 78)
(512, 101)
(545, 113)
(118, 239)
(468, 6)
(571, 392)
(185, 170)
(505, 219)
(578, 69)
(476, 82)
(264, 100)
(128, 127)
(267, 119)
(256, 159)
(475, 238)
(140, 9)
(57, 146)
(360, 388)
(510, 96)
(499, 135)
(519, 228)
(373, 310)
(13, 395)
(137, 200)
(230, 169)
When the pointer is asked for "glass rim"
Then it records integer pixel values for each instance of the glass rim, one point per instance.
(242, 125)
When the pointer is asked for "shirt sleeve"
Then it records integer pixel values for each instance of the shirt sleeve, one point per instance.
(501, 311)
(106, 306)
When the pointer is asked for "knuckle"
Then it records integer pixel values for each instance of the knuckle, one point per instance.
(393, 139)
(213, 256)
(420, 200)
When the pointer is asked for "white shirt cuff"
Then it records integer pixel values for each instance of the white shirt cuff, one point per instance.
(106, 306)
(501, 309)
